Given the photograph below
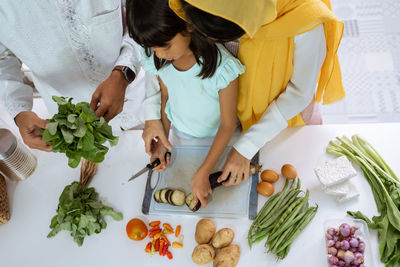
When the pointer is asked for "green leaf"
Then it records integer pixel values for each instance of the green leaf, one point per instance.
(68, 136)
(52, 127)
(114, 141)
(60, 100)
(81, 129)
(110, 212)
(88, 142)
(76, 131)
(72, 118)
(87, 114)
(73, 162)
(54, 222)
(81, 213)
(47, 137)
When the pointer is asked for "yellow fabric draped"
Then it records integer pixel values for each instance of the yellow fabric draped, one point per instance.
(267, 49)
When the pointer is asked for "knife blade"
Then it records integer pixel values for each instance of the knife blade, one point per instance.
(148, 167)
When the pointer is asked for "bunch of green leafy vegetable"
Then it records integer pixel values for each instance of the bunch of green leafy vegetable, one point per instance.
(80, 212)
(386, 190)
(77, 132)
(282, 218)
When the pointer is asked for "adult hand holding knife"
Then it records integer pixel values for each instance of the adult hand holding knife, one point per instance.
(154, 165)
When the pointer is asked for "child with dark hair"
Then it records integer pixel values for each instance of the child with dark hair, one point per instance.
(198, 80)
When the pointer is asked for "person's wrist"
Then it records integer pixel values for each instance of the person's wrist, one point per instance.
(20, 116)
(119, 76)
(204, 170)
(128, 74)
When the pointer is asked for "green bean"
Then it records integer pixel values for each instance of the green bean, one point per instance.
(258, 239)
(276, 203)
(300, 228)
(269, 202)
(285, 204)
(290, 223)
(278, 207)
(266, 209)
(291, 212)
(276, 243)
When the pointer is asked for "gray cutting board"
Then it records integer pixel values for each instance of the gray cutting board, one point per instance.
(238, 201)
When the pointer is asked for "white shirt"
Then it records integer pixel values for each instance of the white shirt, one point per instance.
(70, 47)
(309, 55)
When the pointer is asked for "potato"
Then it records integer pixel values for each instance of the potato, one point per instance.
(223, 238)
(227, 256)
(203, 254)
(205, 230)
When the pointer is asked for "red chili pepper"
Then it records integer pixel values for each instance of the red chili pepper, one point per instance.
(154, 229)
(152, 234)
(148, 247)
(161, 246)
(157, 245)
(165, 249)
(169, 255)
(177, 230)
(166, 240)
(168, 227)
(154, 223)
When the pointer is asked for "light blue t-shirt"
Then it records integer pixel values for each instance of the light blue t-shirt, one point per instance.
(193, 103)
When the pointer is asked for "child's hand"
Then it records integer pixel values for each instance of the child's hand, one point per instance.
(201, 187)
(159, 152)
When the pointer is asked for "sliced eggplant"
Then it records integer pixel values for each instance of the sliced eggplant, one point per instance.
(178, 198)
(163, 196)
(213, 178)
(157, 196)
(193, 206)
(189, 199)
(168, 195)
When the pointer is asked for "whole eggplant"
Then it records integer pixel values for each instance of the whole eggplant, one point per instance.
(213, 178)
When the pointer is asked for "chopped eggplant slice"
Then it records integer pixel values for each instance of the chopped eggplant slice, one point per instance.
(163, 195)
(157, 196)
(189, 199)
(178, 198)
(168, 196)
(193, 206)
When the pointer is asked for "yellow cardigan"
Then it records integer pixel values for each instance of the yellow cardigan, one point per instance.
(267, 48)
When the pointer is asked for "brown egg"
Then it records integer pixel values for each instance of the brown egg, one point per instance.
(265, 189)
(269, 176)
(289, 171)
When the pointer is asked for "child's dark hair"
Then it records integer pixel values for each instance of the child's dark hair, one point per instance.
(210, 25)
(151, 23)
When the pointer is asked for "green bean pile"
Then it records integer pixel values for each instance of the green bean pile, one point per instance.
(282, 218)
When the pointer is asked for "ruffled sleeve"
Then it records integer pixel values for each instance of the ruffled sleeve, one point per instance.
(229, 69)
(148, 63)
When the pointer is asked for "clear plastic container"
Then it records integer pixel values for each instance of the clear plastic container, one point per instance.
(361, 233)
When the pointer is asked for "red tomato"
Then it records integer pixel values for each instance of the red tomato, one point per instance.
(136, 229)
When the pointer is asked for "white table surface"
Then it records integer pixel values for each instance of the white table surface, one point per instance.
(33, 202)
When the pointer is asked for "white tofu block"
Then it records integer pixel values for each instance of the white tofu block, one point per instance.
(352, 194)
(335, 171)
(341, 189)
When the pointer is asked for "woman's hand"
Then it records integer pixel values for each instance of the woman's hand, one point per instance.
(238, 166)
(160, 152)
(201, 187)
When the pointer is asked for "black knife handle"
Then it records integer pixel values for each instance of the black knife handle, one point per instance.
(157, 162)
